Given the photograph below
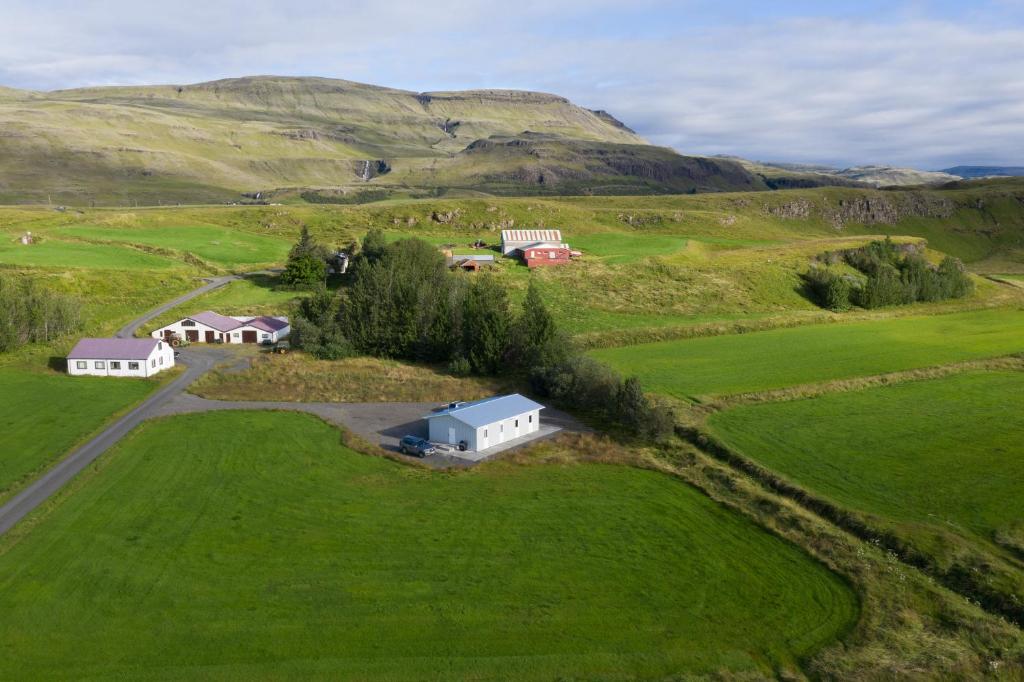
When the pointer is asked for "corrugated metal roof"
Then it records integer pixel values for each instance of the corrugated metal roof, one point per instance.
(489, 410)
(113, 349)
(476, 257)
(221, 323)
(531, 236)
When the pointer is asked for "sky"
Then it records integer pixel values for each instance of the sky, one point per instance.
(909, 83)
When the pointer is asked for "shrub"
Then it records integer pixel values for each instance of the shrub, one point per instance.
(30, 313)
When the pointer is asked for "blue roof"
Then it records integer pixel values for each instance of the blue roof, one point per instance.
(489, 410)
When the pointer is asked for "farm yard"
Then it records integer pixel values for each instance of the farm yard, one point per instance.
(533, 588)
(259, 533)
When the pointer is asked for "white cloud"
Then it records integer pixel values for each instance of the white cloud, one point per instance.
(912, 88)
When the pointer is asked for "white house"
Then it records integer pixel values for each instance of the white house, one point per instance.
(120, 357)
(211, 327)
(482, 424)
(517, 240)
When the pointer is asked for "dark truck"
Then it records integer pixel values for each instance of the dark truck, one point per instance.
(414, 445)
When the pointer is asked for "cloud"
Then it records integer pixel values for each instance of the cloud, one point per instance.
(917, 86)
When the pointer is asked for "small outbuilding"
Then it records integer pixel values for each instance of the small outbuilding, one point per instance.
(211, 327)
(120, 357)
(517, 240)
(482, 424)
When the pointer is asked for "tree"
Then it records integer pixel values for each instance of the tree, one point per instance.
(374, 245)
(30, 313)
(954, 281)
(486, 326)
(316, 327)
(307, 262)
(535, 333)
(631, 405)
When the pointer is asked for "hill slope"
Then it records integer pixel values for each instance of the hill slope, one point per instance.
(214, 141)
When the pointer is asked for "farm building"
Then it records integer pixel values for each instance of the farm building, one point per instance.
(211, 327)
(471, 263)
(536, 247)
(485, 423)
(120, 357)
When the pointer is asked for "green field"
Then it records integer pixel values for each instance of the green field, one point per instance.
(43, 415)
(947, 452)
(233, 545)
(62, 254)
(220, 245)
(787, 357)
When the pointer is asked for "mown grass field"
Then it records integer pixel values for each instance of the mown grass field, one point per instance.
(780, 358)
(263, 547)
(223, 246)
(78, 255)
(946, 453)
(42, 415)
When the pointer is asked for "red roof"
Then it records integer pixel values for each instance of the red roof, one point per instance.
(114, 349)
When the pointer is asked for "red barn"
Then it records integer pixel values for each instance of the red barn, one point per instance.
(546, 254)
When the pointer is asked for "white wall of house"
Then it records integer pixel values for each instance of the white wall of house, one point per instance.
(160, 359)
(182, 327)
(262, 335)
(448, 429)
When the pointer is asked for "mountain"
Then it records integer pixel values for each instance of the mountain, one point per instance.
(969, 172)
(890, 176)
(780, 175)
(326, 139)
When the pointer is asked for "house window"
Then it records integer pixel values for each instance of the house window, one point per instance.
(266, 336)
(100, 364)
(152, 363)
(501, 428)
(517, 423)
(485, 433)
(82, 364)
(114, 364)
(188, 323)
(531, 418)
(236, 334)
(133, 365)
(161, 359)
(551, 254)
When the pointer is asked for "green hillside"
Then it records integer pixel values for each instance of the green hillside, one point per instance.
(214, 142)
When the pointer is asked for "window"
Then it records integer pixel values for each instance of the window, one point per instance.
(531, 418)
(517, 423)
(551, 254)
(152, 363)
(100, 364)
(485, 433)
(82, 364)
(501, 428)
(161, 359)
(159, 345)
(266, 336)
(236, 335)
(133, 365)
(188, 323)
(114, 364)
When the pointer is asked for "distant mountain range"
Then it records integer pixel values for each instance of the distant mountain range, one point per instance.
(277, 138)
(969, 172)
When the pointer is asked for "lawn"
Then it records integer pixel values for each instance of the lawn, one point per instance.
(60, 254)
(947, 452)
(778, 358)
(42, 415)
(224, 246)
(240, 545)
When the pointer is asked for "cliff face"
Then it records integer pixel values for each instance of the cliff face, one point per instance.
(220, 139)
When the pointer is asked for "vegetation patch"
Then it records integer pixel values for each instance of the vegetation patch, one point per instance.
(264, 545)
(43, 415)
(778, 358)
(55, 253)
(301, 378)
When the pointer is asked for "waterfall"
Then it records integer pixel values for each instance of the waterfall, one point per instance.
(365, 175)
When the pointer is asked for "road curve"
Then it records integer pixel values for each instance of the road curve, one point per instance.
(212, 283)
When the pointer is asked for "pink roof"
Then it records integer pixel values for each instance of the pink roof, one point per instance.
(267, 324)
(114, 349)
(219, 322)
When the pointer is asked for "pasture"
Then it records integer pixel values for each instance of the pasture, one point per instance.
(52, 253)
(945, 453)
(265, 548)
(220, 245)
(43, 415)
(779, 358)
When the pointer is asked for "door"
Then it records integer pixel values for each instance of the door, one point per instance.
(516, 432)
(209, 336)
(248, 337)
(451, 435)
(192, 335)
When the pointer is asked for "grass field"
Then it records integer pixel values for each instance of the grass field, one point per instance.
(62, 254)
(220, 245)
(43, 415)
(787, 357)
(945, 453)
(263, 547)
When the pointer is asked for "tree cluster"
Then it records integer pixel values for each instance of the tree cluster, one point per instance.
(307, 263)
(891, 275)
(30, 313)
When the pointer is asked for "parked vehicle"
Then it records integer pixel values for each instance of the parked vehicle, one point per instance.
(414, 445)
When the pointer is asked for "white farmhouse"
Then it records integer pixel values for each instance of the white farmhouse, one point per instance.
(211, 327)
(120, 357)
(517, 240)
(485, 423)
